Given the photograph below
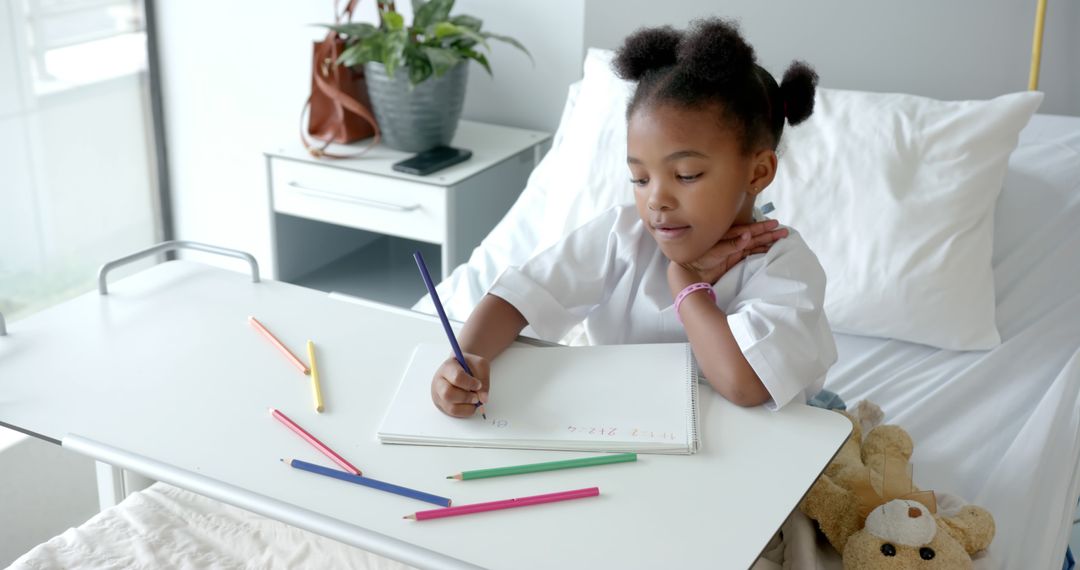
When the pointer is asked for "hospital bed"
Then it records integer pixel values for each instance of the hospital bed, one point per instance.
(999, 428)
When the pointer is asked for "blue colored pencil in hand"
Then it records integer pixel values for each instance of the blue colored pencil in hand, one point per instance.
(442, 316)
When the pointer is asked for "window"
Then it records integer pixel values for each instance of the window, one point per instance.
(77, 178)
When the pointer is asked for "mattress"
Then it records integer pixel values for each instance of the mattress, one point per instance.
(999, 428)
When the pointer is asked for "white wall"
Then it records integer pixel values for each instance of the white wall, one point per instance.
(957, 49)
(522, 94)
(236, 73)
(235, 76)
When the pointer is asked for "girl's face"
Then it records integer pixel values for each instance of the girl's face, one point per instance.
(691, 182)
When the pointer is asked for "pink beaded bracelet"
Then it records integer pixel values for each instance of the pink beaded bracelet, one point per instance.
(690, 289)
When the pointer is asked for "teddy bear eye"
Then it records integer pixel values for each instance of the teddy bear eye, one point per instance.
(926, 553)
(890, 550)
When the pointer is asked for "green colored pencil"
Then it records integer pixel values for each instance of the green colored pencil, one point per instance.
(548, 466)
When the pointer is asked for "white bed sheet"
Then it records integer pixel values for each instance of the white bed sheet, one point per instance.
(166, 527)
(1001, 428)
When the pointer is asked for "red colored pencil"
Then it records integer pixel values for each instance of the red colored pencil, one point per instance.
(505, 504)
(315, 442)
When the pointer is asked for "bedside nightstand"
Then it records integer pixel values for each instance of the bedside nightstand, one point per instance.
(351, 225)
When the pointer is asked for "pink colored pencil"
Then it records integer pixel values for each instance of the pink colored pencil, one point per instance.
(315, 442)
(504, 504)
(273, 340)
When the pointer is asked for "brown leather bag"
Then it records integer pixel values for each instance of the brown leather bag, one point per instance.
(340, 110)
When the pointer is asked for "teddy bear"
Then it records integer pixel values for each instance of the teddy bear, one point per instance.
(871, 531)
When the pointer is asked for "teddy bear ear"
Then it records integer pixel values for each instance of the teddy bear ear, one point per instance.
(973, 527)
(868, 414)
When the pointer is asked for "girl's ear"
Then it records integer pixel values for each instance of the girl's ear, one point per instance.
(762, 170)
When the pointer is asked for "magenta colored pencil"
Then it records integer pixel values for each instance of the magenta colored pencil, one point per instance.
(314, 441)
(504, 504)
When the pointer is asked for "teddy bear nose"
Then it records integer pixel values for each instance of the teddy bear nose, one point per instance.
(914, 512)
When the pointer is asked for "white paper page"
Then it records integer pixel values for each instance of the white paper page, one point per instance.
(597, 398)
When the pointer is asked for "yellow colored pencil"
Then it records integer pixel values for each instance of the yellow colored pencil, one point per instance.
(315, 388)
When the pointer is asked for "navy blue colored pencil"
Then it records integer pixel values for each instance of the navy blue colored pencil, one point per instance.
(369, 482)
(442, 316)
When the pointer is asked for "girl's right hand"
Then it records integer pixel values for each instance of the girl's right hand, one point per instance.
(455, 392)
(734, 246)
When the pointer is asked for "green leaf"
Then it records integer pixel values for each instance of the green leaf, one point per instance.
(432, 12)
(462, 46)
(418, 64)
(446, 31)
(433, 45)
(418, 74)
(442, 60)
(398, 40)
(368, 49)
(393, 21)
(358, 30)
(392, 56)
(510, 41)
(467, 22)
(481, 59)
(351, 56)
(422, 14)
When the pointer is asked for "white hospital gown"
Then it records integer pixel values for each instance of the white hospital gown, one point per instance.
(611, 276)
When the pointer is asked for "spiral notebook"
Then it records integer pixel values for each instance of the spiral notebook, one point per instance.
(640, 398)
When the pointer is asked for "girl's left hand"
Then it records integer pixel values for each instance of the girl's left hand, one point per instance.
(733, 247)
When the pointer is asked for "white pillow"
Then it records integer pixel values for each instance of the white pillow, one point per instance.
(895, 194)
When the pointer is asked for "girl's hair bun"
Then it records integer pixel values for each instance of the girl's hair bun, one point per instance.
(797, 89)
(711, 66)
(716, 52)
(646, 50)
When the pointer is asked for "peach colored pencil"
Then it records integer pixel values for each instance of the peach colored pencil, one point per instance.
(273, 339)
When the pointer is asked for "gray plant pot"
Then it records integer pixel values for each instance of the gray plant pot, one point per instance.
(416, 119)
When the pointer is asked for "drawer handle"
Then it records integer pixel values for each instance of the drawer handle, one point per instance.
(355, 199)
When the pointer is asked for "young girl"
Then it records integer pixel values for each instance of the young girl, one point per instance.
(689, 261)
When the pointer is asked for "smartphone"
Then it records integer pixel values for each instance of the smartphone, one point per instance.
(431, 160)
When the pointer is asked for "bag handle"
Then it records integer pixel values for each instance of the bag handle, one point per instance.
(345, 14)
(319, 151)
(344, 102)
(331, 90)
(334, 92)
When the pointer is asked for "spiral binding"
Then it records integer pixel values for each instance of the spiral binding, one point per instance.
(692, 380)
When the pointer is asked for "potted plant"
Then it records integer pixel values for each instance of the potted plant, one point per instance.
(416, 74)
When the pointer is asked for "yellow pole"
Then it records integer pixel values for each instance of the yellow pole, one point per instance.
(1036, 46)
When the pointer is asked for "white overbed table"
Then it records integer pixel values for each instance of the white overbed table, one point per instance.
(165, 377)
